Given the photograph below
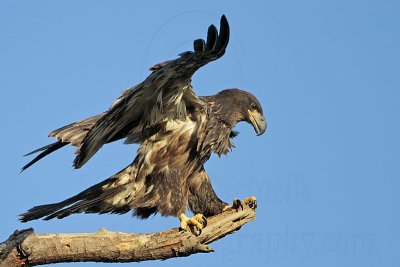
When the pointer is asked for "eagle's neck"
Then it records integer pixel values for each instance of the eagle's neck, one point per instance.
(223, 115)
(227, 110)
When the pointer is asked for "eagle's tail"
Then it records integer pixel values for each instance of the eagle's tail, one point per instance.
(91, 200)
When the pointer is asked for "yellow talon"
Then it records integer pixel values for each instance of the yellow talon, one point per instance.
(251, 202)
(194, 224)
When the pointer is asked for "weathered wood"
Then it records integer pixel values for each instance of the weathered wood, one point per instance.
(25, 248)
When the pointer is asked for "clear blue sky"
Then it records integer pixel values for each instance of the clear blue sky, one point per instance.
(326, 172)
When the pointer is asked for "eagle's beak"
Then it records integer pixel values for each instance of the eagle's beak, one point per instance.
(258, 121)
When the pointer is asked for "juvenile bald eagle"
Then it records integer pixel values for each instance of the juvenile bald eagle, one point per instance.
(177, 132)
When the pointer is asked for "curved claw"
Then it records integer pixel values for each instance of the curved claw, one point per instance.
(237, 204)
(251, 202)
(194, 224)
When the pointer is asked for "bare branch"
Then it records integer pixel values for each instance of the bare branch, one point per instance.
(25, 248)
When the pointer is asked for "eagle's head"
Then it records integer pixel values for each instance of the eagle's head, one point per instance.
(240, 105)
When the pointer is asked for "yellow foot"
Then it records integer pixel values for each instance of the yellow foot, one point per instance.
(251, 202)
(194, 224)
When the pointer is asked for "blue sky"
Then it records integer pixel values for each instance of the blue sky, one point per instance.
(326, 172)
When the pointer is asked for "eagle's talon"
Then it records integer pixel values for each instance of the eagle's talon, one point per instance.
(194, 224)
(204, 220)
(237, 204)
(251, 202)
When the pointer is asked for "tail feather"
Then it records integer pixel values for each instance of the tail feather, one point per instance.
(89, 200)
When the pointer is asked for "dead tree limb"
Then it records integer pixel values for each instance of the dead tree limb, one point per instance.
(25, 248)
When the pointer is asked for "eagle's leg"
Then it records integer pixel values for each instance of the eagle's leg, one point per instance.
(237, 204)
(202, 197)
(194, 224)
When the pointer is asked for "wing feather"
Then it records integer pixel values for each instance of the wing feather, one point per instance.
(199, 45)
(212, 36)
(164, 95)
(72, 134)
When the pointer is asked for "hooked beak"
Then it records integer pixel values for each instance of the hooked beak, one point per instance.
(258, 121)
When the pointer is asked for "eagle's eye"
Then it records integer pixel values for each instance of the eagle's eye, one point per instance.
(253, 106)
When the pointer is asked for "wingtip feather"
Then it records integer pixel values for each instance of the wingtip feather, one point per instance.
(212, 36)
(223, 38)
(46, 150)
(199, 45)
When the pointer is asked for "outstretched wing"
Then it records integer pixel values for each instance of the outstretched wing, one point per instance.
(165, 94)
(72, 134)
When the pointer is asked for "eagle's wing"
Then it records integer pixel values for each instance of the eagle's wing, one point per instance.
(165, 94)
(71, 134)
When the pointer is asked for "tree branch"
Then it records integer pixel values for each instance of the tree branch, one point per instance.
(25, 248)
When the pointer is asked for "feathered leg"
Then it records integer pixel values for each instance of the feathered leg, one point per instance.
(204, 200)
(202, 197)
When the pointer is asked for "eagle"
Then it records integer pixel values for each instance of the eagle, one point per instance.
(177, 132)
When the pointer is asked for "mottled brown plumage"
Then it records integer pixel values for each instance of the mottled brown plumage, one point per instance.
(177, 132)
